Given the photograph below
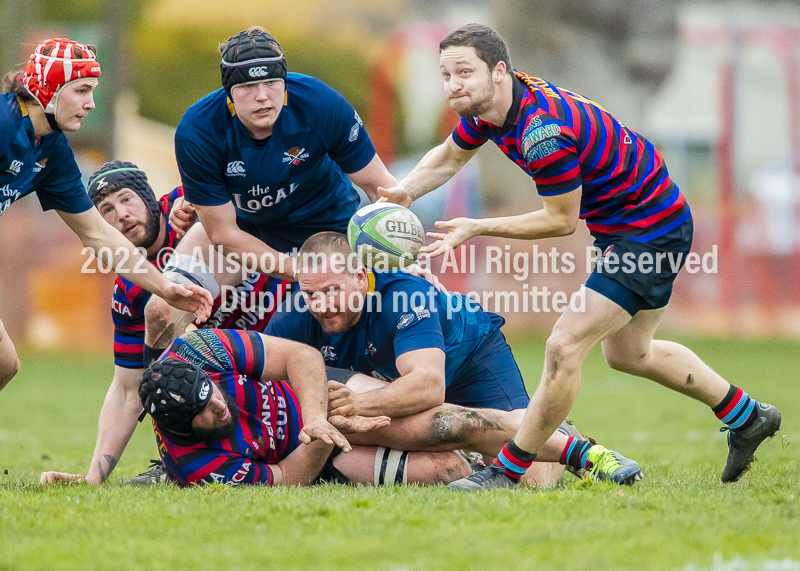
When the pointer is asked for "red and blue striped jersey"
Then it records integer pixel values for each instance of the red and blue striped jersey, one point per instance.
(565, 141)
(239, 310)
(128, 300)
(269, 414)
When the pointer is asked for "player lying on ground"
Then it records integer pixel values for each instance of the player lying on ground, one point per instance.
(455, 383)
(222, 413)
(126, 201)
(52, 95)
(588, 165)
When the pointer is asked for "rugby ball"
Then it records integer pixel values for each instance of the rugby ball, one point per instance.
(385, 236)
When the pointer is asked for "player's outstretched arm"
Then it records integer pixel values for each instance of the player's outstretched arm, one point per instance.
(558, 217)
(118, 419)
(304, 368)
(432, 171)
(246, 250)
(421, 387)
(372, 176)
(107, 243)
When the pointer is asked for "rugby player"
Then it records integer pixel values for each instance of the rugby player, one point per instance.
(586, 164)
(54, 94)
(266, 162)
(124, 198)
(454, 382)
(222, 412)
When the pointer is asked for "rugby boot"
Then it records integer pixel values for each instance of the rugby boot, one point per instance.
(742, 444)
(156, 474)
(491, 477)
(611, 466)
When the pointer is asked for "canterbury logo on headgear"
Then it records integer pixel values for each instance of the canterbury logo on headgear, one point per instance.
(258, 71)
(204, 391)
(250, 55)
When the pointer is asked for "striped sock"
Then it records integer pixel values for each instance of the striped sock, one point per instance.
(515, 460)
(737, 409)
(576, 454)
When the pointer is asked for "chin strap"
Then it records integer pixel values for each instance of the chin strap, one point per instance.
(51, 119)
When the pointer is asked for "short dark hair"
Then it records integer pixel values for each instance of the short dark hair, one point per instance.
(12, 84)
(488, 44)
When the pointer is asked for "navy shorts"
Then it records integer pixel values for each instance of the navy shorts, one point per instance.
(639, 275)
(489, 379)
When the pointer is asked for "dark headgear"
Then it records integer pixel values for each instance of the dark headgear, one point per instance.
(116, 175)
(252, 55)
(173, 392)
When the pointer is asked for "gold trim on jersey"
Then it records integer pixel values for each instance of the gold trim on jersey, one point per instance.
(22, 107)
(370, 282)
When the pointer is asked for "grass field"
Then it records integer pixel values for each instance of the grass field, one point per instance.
(678, 517)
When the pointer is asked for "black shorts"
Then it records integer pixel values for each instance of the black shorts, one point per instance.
(639, 275)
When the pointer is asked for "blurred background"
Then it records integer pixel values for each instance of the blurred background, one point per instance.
(715, 85)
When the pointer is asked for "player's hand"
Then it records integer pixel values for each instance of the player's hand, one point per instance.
(426, 274)
(321, 429)
(358, 423)
(396, 194)
(456, 232)
(189, 297)
(53, 477)
(182, 216)
(341, 400)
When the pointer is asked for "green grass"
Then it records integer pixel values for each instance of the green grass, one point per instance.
(678, 517)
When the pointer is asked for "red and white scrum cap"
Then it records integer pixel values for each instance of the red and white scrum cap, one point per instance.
(53, 64)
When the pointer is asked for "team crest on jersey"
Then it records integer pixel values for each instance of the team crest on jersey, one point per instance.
(328, 353)
(371, 349)
(295, 156)
(235, 168)
(257, 446)
(15, 167)
(37, 167)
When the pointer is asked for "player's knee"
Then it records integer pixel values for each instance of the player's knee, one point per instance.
(560, 351)
(428, 468)
(156, 316)
(451, 427)
(622, 360)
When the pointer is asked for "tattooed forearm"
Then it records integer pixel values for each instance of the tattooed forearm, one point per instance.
(112, 463)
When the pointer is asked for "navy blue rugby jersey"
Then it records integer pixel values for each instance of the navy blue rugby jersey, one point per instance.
(389, 327)
(286, 187)
(45, 166)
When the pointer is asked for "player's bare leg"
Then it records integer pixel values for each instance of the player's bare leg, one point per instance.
(633, 350)
(375, 466)
(573, 336)
(164, 323)
(9, 361)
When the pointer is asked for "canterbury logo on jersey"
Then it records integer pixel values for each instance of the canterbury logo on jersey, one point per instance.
(235, 168)
(14, 167)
